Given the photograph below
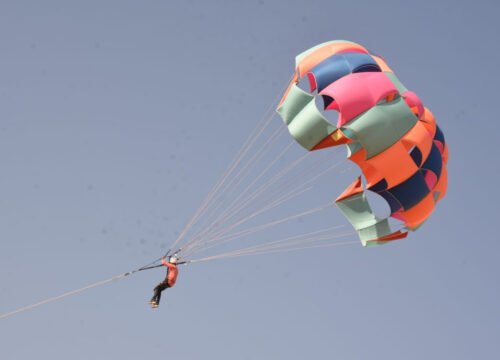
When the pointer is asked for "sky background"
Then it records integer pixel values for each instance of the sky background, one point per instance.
(116, 119)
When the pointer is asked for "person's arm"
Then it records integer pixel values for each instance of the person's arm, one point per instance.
(167, 264)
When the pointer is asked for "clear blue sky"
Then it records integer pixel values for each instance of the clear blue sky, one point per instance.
(116, 118)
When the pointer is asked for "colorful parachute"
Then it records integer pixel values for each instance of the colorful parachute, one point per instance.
(388, 132)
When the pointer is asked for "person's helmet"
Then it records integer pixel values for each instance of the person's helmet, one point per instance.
(173, 260)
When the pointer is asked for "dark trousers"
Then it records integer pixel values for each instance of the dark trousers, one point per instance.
(157, 291)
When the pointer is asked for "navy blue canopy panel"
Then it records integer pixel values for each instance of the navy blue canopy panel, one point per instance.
(439, 136)
(339, 65)
(416, 155)
(411, 191)
(394, 203)
(434, 161)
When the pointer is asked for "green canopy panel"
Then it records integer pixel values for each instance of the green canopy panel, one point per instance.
(359, 213)
(305, 122)
(381, 126)
(375, 231)
(398, 84)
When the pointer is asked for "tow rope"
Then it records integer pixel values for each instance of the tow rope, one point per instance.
(115, 278)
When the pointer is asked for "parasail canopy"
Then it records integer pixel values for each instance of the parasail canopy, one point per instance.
(389, 134)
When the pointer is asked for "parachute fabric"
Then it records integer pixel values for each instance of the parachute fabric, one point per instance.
(389, 134)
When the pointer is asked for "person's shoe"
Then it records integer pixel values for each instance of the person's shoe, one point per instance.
(154, 305)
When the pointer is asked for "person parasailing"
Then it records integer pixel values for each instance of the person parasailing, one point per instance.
(170, 279)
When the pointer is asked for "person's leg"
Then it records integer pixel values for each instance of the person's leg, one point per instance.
(155, 295)
(157, 292)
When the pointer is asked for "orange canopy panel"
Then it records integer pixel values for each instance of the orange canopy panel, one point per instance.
(395, 165)
(415, 216)
(398, 235)
(429, 121)
(445, 154)
(334, 139)
(356, 187)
